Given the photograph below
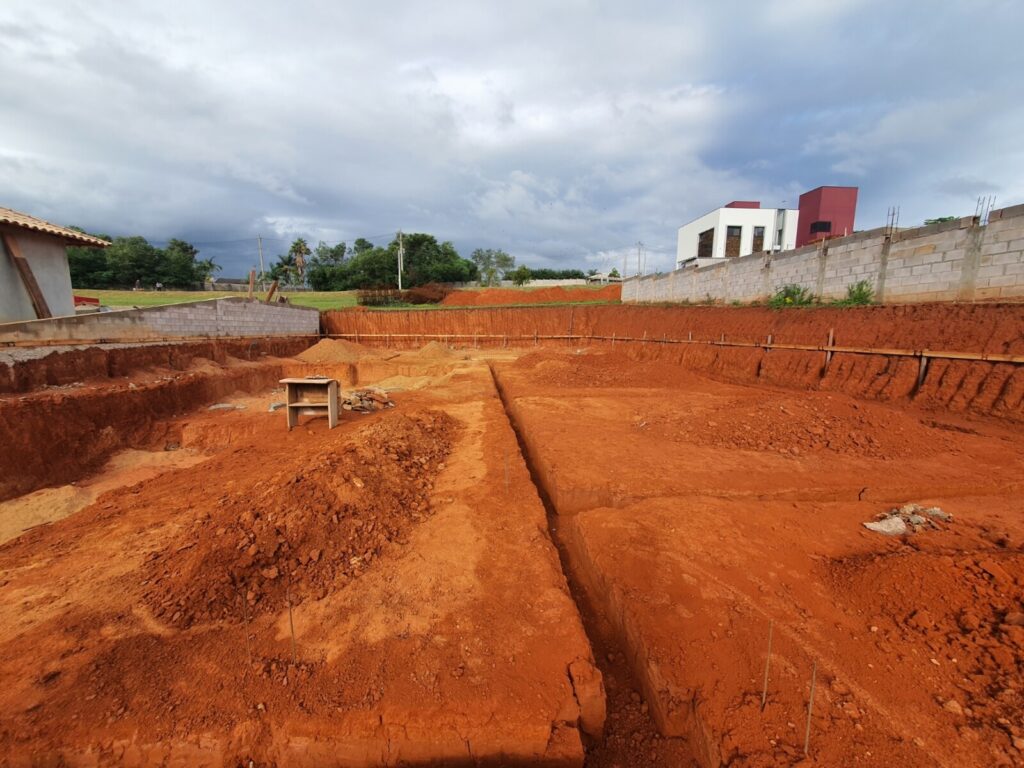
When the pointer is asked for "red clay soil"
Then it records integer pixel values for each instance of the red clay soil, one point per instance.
(56, 435)
(300, 535)
(695, 513)
(498, 297)
(978, 387)
(24, 369)
(431, 619)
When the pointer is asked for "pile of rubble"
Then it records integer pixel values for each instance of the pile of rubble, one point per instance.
(910, 518)
(365, 400)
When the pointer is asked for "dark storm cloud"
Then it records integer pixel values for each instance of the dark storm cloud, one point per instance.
(561, 132)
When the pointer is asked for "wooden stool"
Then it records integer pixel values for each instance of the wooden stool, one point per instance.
(311, 397)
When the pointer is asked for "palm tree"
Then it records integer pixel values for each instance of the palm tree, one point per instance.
(298, 252)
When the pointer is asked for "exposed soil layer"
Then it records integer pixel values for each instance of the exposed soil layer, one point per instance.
(25, 369)
(978, 387)
(454, 640)
(496, 297)
(54, 436)
(696, 514)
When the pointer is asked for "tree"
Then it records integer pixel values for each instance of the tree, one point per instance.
(299, 251)
(492, 264)
(520, 275)
(613, 273)
(327, 266)
(939, 220)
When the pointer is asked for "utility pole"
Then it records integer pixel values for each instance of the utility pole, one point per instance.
(639, 248)
(401, 258)
(259, 244)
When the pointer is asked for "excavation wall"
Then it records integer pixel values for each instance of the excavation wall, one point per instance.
(958, 260)
(208, 318)
(985, 387)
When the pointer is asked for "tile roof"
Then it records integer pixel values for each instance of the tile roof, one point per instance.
(16, 219)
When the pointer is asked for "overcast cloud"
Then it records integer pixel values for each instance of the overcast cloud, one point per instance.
(561, 132)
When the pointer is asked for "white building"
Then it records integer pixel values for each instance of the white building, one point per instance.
(738, 229)
(35, 281)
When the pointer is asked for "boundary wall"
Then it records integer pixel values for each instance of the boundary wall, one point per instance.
(208, 318)
(959, 260)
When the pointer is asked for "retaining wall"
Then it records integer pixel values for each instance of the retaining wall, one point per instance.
(953, 261)
(209, 318)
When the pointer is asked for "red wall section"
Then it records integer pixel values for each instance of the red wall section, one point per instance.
(835, 204)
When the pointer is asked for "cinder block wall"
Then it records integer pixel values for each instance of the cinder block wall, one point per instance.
(952, 261)
(209, 318)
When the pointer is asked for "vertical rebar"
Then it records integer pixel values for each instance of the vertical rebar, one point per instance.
(767, 662)
(810, 707)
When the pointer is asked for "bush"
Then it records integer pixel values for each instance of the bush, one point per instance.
(382, 297)
(431, 293)
(791, 296)
(859, 294)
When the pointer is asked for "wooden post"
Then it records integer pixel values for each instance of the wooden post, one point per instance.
(252, 283)
(28, 279)
(273, 288)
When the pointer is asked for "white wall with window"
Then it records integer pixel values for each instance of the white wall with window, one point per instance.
(733, 232)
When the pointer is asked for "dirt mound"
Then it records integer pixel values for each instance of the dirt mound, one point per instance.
(336, 351)
(797, 427)
(304, 531)
(499, 297)
(434, 351)
(957, 620)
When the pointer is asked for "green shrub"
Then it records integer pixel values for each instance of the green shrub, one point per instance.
(791, 296)
(859, 294)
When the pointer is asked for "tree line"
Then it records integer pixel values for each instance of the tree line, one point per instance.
(133, 261)
(424, 261)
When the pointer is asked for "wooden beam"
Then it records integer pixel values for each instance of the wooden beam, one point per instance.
(270, 293)
(252, 282)
(28, 279)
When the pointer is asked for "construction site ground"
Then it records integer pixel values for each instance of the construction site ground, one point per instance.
(566, 554)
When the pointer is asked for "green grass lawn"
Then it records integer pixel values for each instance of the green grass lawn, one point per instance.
(316, 299)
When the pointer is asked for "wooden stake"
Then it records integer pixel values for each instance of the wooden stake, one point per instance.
(252, 282)
(28, 278)
(291, 619)
(273, 289)
(767, 662)
(810, 708)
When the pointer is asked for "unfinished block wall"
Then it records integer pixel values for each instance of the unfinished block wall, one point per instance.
(958, 260)
(211, 318)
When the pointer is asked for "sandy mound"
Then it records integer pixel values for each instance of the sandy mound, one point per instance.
(305, 530)
(336, 351)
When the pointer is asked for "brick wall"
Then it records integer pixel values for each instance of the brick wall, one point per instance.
(210, 318)
(957, 260)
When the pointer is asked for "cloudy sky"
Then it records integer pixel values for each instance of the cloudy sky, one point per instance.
(563, 132)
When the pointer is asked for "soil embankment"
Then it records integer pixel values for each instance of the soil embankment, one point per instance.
(501, 297)
(98, 400)
(959, 385)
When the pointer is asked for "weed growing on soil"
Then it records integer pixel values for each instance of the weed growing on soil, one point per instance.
(792, 296)
(858, 294)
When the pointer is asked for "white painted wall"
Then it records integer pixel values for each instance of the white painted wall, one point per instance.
(687, 237)
(49, 261)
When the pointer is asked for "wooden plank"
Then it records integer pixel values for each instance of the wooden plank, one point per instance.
(20, 263)
(273, 288)
(252, 282)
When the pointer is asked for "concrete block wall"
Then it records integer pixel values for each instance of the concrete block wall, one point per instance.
(209, 318)
(959, 260)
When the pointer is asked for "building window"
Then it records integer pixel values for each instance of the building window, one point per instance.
(732, 241)
(819, 227)
(706, 244)
(758, 239)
